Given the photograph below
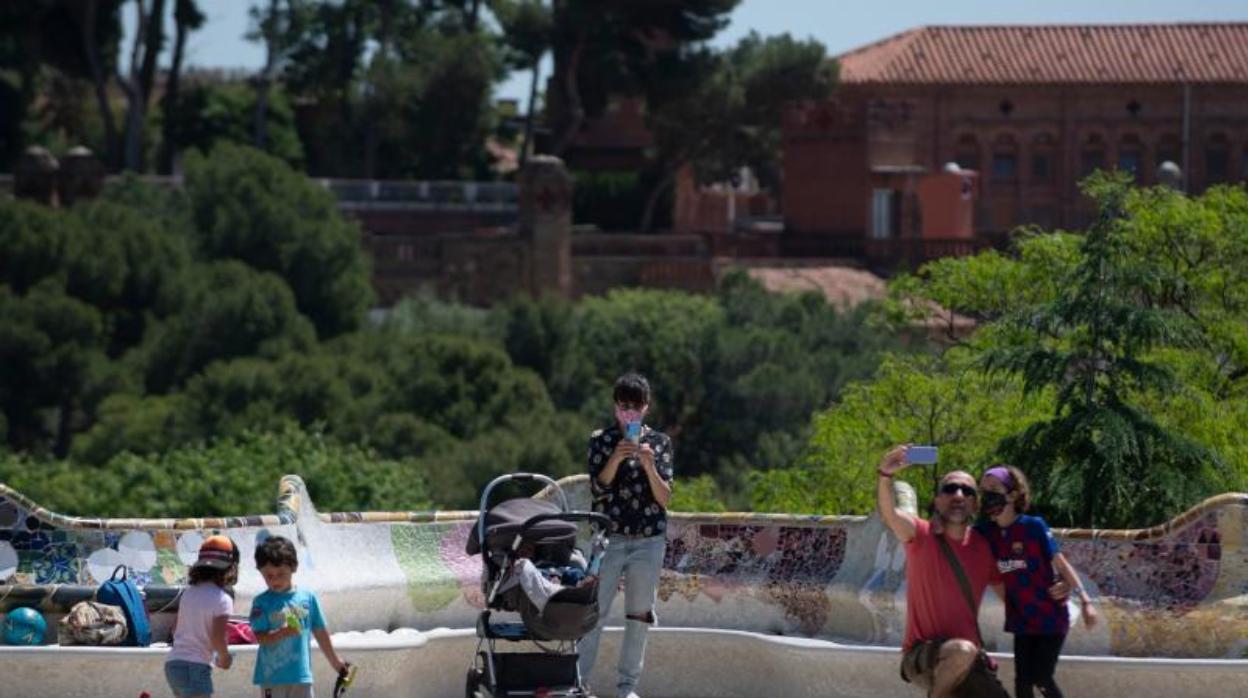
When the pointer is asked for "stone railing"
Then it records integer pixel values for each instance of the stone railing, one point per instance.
(430, 195)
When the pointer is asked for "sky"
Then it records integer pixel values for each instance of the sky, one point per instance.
(840, 24)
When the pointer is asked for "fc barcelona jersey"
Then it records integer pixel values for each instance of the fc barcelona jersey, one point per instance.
(1025, 550)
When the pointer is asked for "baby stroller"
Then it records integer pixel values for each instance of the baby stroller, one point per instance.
(549, 531)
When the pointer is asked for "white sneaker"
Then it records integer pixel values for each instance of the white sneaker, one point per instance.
(630, 694)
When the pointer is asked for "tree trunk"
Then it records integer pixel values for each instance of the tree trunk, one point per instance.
(132, 87)
(64, 423)
(168, 146)
(138, 86)
(153, 42)
(652, 200)
(260, 122)
(101, 83)
(572, 96)
(528, 121)
(470, 23)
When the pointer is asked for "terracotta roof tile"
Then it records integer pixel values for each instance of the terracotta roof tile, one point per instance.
(1127, 53)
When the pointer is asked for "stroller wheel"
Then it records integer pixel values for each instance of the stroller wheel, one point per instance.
(473, 685)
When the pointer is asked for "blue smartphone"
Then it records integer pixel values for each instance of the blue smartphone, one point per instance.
(921, 455)
(632, 431)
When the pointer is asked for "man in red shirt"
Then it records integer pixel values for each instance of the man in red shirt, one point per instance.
(942, 636)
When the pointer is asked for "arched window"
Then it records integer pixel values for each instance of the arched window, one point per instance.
(1092, 155)
(1131, 156)
(1004, 158)
(966, 153)
(1217, 159)
(1043, 157)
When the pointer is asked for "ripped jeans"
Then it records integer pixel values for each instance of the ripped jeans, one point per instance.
(638, 560)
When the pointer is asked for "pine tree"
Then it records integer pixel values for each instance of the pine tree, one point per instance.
(1101, 458)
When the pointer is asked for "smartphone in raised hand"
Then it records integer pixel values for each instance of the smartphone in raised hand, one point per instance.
(632, 434)
(921, 455)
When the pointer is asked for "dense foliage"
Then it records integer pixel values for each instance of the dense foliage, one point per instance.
(1110, 365)
(230, 476)
(152, 333)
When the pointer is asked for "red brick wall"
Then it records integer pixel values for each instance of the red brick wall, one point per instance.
(826, 168)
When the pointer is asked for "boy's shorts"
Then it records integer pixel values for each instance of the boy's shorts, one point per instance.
(290, 690)
(188, 678)
(918, 664)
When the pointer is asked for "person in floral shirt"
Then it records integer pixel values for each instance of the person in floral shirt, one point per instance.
(630, 470)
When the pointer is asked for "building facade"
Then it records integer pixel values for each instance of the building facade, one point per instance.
(1031, 109)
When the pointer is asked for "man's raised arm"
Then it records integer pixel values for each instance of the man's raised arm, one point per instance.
(901, 523)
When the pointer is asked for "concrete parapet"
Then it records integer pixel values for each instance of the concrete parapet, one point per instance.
(1175, 591)
(684, 663)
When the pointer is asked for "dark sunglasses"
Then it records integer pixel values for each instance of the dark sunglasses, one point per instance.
(953, 487)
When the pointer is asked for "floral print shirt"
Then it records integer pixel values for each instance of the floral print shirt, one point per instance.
(628, 500)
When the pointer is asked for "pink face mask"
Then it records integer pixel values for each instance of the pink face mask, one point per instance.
(626, 416)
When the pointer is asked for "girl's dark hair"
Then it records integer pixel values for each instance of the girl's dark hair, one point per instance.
(277, 551)
(632, 388)
(207, 574)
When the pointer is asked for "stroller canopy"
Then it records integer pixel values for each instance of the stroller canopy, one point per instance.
(504, 521)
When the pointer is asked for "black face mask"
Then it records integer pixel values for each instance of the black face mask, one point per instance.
(992, 503)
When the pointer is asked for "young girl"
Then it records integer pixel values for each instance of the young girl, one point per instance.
(1029, 560)
(203, 611)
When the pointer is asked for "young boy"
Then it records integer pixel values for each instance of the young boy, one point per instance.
(284, 618)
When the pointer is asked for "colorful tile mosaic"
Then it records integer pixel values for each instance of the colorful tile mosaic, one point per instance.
(1177, 589)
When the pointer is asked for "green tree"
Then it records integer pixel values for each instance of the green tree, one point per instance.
(527, 28)
(722, 112)
(1100, 452)
(228, 476)
(252, 207)
(49, 45)
(207, 113)
(449, 118)
(602, 48)
(232, 312)
(666, 335)
(187, 18)
(416, 106)
(700, 494)
(51, 351)
(776, 359)
(82, 289)
(1136, 328)
(945, 401)
(426, 314)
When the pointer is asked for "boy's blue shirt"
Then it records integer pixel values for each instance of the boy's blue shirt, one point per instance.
(288, 661)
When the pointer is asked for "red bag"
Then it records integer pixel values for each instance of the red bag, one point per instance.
(239, 632)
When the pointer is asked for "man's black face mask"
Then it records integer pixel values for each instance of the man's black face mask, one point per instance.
(992, 503)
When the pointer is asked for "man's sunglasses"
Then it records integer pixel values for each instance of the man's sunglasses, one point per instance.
(953, 488)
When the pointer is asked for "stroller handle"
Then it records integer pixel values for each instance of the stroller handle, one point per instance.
(590, 516)
(516, 477)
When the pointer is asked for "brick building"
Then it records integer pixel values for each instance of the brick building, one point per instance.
(1032, 109)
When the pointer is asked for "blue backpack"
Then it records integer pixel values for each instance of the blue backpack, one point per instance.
(123, 592)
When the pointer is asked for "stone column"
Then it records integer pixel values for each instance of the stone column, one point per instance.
(34, 177)
(546, 224)
(81, 176)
